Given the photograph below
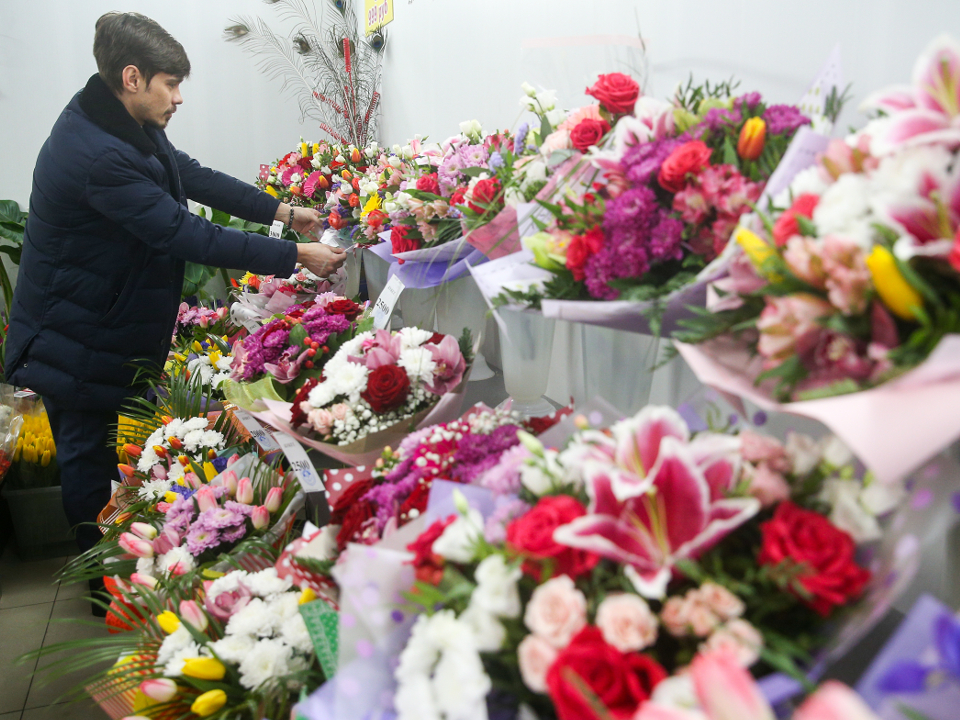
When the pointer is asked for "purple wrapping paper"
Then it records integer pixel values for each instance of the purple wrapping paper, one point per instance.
(441, 503)
(427, 274)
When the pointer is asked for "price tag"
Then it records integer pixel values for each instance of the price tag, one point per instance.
(300, 464)
(383, 308)
(276, 230)
(263, 438)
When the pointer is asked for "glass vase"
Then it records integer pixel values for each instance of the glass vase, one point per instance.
(526, 346)
(618, 366)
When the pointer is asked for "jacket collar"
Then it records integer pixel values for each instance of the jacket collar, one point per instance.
(106, 110)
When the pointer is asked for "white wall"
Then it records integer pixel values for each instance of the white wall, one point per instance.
(450, 60)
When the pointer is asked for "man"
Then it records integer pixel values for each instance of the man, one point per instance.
(104, 250)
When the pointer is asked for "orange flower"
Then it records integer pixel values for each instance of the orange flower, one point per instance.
(753, 135)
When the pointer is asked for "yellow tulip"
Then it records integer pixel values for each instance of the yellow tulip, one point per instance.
(210, 471)
(204, 668)
(897, 294)
(45, 458)
(304, 149)
(758, 250)
(209, 702)
(170, 497)
(270, 191)
(168, 622)
(316, 148)
(308, 595)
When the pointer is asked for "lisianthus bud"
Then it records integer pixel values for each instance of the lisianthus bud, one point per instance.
(245, 491)
(143, 530)
(753, 136)
(274, 498)
(168, 622)
(204, 668)
(191, 614)
(260, 517)
(209, 702)
(229, 480)
(205, 498)
(160, 689)
(136, 546)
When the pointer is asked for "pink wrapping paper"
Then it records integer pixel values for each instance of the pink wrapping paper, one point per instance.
(893, 429)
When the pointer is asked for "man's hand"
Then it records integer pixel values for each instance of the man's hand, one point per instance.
(320, 259)
(305, 220)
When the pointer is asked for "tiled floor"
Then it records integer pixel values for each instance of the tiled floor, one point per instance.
(32, 604)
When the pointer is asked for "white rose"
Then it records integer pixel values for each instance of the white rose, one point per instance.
(847, 513)
(803, 451)
(497, 587)
(458, 541)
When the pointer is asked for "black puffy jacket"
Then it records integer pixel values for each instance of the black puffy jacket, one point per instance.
(104, 250)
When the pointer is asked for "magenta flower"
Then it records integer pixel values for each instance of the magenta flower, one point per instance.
(450, 365)
(226, 604)
(928, 111)
(675, 518)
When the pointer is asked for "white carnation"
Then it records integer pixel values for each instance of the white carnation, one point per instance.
(322, 395)
(843, 205)
(234, 648)
(351, 380)
(268, 659)
(459, 539)
(419, 364)
(178, 555)
(412, 337)
(266, 583)
(496, 590)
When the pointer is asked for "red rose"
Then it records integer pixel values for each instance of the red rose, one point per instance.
(435, 339)
(428, 183)
(429, 566)
(400, 240)
(387, 388)
(786, 225)
(621, 681)
(691, 157)
(616, 92)
(351, 513)
(484, 193)
(802, 536)
(458, 195)
(348, 308)
(376, 218)
(581, 248)
(297, 416)
(417, 500)
(532, 536)
(588, 132)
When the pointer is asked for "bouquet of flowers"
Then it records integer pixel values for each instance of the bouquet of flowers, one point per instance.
(377, 380)
(852, 279)
(275, 360)
(625, 555)
(195, 322)
(209, 361)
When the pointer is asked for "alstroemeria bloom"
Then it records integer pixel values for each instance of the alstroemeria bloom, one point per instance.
(928, 111)
(649, 532)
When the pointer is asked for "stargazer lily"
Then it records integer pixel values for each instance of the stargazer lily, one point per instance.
(928, 111)
(673, 512)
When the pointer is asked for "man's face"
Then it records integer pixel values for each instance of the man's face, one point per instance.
(156, 102)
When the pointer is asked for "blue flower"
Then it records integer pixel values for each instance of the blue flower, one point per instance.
(908, 676)
(495, 161)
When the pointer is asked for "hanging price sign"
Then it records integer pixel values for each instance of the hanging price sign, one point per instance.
(383, 308)
(261, 437)
(376, 14)
(300, 464)
(276, 230)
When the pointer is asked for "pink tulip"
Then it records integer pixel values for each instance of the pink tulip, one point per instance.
(260, 517)
(245, 491)
(232, 459)
(205, 498)
(652, 711)
(834, 701)
(274, 498)
(229, 481)
(726, 691)
(192, 480)
(191, 614)
(166, 541)
(164, 507)
(179, 568)
(147, 581)
(161, 690)
(143, 530)
(136, 546)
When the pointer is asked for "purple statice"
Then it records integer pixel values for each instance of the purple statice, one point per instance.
(478, 453)
(506, 510)
(750, 99)
(666, 237)
(220, 517)
(642, 162)
(321, 326)
(495, 162)
(202, 538)
(784, 119)
(520, 137)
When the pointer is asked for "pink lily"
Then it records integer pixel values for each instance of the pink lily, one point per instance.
(450, 365)
(651, 530)
(726, 690)
(928, 111)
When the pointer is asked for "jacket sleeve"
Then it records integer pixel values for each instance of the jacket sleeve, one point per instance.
(219, 190)
(127, 196)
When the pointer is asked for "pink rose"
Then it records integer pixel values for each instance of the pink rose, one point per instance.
(557, 140)
(557, 611)
(627, 622)
(738, 637)
(703, 620)
(757, 448)
(767, 485)
(721, 601)
(536, 656)
(789, 325)
(321, 421)
(675, 616)
(339, 411)
(591, 112)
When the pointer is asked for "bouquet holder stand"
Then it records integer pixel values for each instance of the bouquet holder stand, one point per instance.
(526, 346)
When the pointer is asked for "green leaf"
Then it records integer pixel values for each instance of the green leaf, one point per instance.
(10, 211)
(545, 128)
(298, 333)
(219, 217)
(473, 171)
(729, 152)
(806, 225)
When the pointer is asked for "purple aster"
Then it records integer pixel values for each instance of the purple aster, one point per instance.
(235, 535)
(478, 453)
(218, 518)
(784, 119)
(201, 538)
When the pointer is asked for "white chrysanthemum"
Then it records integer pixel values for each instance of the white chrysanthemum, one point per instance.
(295, 634)
(843, 204)
(154, 489)
(284, 606)
(234, 648)
(200, 367)
(225, 363)
(351, 380)
(218, 379)
(412, 337)
(174, 427)
(419, 364)
(268, 659)
(178, 555)
(251, 619)
(193, 440)
(176, 472)
(227, 583)
(146, 566)
(322, 395)
(175, 648)
(266, 583)
(211, 439)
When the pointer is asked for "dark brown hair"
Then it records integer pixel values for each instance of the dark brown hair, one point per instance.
(123, 39)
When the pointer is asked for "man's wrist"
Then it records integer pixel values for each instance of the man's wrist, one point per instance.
(283, 213)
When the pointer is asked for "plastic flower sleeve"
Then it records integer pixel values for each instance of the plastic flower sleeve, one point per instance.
(429, 267)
